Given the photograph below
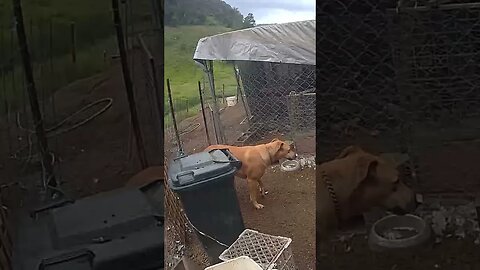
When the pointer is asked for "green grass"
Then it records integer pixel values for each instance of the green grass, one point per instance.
(184, 74)
(93, 22)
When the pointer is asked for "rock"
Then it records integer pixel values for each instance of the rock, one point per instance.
(449, 219)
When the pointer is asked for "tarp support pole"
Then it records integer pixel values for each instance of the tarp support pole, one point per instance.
(216, 111)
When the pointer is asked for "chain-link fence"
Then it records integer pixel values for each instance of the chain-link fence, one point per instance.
(301, 111)
(402, 77)
(280, 97)
(175, 228)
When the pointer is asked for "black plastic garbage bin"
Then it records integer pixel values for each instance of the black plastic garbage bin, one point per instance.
(205, 184)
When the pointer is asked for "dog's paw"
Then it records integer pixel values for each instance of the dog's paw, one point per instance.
(259, 206)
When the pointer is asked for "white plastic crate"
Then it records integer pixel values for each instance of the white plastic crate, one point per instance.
(239, 263)
(268, 251)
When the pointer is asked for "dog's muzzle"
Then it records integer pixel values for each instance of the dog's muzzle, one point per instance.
(292, 158)
(399, 211)
(408, 209)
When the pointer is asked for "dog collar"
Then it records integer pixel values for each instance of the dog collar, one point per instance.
(332, 194)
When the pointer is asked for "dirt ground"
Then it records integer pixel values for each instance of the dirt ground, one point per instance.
(451, 254)
(289, 211)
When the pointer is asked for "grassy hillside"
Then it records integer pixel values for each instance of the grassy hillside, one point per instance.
(184, 74)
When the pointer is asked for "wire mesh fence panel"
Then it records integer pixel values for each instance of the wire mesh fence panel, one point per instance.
(402, 77)
(148, 93)
(279, 98)
(301, 110)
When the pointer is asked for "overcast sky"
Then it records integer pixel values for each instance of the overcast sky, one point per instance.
(276, 11)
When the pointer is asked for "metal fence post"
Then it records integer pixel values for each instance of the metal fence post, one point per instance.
(172, 111)
(32, 94)
(202, 105)
(129, 85)
(293, 112)
(73, 42)
(241, 94)
(158, 101)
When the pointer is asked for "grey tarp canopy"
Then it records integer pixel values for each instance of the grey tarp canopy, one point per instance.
(292, 43)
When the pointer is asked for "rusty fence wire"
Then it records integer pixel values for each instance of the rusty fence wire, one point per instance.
(149, 94)
(175, 229)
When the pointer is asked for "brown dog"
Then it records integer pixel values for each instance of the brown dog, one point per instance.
(255, 160)
(355, 182)
(146, 177)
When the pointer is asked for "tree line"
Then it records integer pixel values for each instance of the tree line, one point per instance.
(205, 12)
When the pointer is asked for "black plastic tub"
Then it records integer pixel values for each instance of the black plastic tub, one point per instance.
(121, 229)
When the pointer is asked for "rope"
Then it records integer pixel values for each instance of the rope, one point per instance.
(78, 124)
(55, 130)
(202, 233)
(189, 129)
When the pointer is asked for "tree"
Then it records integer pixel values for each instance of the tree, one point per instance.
(201, 12)
(248, 21)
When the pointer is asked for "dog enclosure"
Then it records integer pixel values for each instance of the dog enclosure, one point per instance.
(274, 68)
(403, 79)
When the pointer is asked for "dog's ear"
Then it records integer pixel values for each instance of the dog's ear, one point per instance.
(366, 165)
(274, 140)
(348, 151)
(276, 146)
(355, 172)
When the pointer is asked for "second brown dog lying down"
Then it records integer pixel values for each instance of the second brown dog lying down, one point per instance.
(255, 160)
(355, 182)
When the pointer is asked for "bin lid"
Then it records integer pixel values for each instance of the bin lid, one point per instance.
(199, 167)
